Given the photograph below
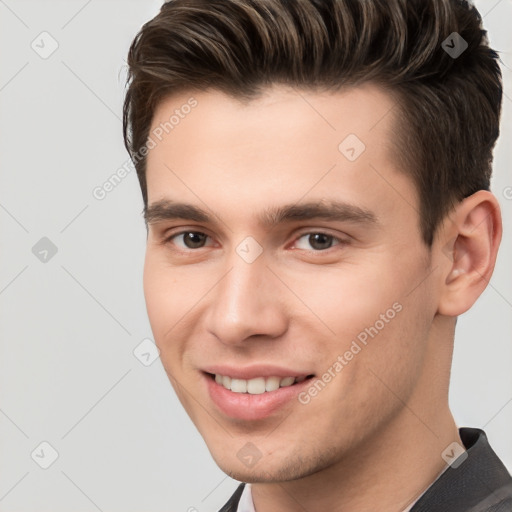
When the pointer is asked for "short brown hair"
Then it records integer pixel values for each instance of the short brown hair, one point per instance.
(448, 106)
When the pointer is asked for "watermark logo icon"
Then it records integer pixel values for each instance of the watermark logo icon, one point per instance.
(454, 45)
(44, 45)
(146, 352)
(249, 454)
(44, 250)
(249, 249)
(351, 147)
(44, 455)
(454, 455)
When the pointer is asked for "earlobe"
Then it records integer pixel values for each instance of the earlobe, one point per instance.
(473, 235)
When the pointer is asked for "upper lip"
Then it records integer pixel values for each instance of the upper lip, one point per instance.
(255, 370)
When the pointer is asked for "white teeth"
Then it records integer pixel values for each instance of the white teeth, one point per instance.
(226, 381)
(256, 386)
(287, 381)
(239, 385)
(272, 383)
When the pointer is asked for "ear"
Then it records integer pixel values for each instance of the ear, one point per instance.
(467, 247)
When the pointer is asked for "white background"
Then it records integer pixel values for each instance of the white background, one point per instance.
(68, 375)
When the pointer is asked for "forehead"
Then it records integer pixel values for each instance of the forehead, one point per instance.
(283, 145)
(360, 109)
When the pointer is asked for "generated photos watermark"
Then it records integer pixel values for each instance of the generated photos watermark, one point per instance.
(100, 192)
(355, 348)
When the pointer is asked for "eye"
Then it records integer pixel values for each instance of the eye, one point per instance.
(190, 239)
(318, 240)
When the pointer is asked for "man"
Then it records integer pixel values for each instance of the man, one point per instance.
(315, 177)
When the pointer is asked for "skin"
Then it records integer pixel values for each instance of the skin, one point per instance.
(373, 437)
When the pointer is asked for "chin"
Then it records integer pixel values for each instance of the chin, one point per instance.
(267, 470)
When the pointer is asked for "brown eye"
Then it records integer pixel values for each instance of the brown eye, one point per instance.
(317, 241)
(190, 239)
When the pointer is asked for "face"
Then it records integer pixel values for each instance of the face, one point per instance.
(283, 251)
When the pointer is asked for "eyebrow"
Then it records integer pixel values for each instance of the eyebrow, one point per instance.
(167, 209)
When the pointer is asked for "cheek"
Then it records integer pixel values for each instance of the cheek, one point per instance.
(174, 297)
(166, 298)
(376, 325)
(377, 376)
(393, 337)
(156, 293)
(346, 302)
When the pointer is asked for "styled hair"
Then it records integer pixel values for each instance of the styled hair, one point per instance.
(447, 105)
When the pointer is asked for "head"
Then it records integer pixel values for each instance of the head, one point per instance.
(315, 178)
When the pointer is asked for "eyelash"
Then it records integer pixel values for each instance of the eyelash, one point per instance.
(340, 241)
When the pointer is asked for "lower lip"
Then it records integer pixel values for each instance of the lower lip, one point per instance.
(245, 406)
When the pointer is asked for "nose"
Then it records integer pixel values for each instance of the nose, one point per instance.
(247, 302)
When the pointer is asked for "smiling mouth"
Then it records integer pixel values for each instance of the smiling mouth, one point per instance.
(257, 385)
